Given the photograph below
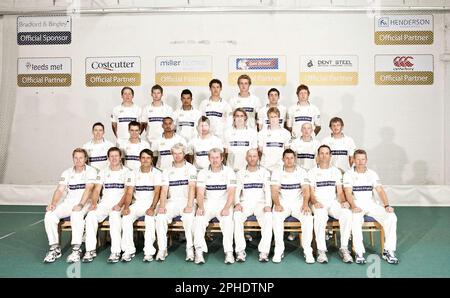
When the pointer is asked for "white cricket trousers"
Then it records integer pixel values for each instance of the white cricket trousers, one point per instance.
(213, 209)
(103, 210)
(174, 208)
(292, 207)
(264, 220)
(387, 220)
(334, 209)
(137, 210)
(63, 210)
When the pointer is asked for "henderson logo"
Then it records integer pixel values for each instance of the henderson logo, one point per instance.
(113, 71)
(404, 30)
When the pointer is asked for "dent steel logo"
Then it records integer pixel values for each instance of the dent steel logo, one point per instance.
(113, 71)
(256, 63)
(329, 70)
(403, 61)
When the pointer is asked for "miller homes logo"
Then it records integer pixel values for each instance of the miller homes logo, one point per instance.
(256, 63)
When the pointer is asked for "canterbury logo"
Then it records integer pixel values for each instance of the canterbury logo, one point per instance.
(403, 61)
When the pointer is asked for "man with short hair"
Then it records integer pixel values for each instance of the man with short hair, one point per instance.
(98, 147)
(246, 101)
(124, 113)
(133, 146)
(274, 97)
(305, 147)
(186, 117)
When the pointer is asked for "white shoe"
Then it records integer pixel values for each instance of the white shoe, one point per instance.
(263, 257)
(161, 255)
(199, 259)
(390, 257)
(52, 255)
(114, 257)
(75, 256)
(277, 258)
(240, 256)
(359, 259)
(89, 256)
(309, 259)
(345, 255)
(322, 256)
(229, 258)
(248, 237)
(291, 237)
(190, 255)
(127, 257)
(147, 258)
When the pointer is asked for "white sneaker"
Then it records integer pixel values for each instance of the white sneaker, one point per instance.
(229, 258)
(240, 256)
(390, 257)
(147, 258)
(75, 256)
(127, 257)
(277, 258)
(263, 257)
(89, 256)
(345, 255)
(322, 256)
(161, 255)
(190, 255)
(52, 255)
(291, 236)
(309, 259)
(199, 259)
(359, 259)
(248, 237)
(114, 257)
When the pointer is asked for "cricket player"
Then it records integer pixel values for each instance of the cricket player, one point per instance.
(98, 147)
(246, 101)
(305, 147)
(133, 146)
(124, 113)
(274, 97)
(186, 117)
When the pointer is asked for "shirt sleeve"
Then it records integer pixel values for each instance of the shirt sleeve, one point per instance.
(144, 115)
(376, 180)
(351, 147)
(275, 179)
(114, 116)
(304, 179)
(129, 178)
(317, 117)
(100, 177)
(201, 178)
(231, 178)
(311, 177)
(91, 175)
(347, 180)
(64, 180)
(159, 178)
(289, 118)
(338, 177)
(165, 178)
(192, 172)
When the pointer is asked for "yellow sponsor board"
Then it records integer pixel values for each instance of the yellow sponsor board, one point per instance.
(113, 79)
(183, 78)
(404, 78)
(329, 78)
(260, 78)
(403, 37)
(44, 80)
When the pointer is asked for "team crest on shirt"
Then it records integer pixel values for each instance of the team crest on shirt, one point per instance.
(162, 144)
(98, 178)
(150, 111)
(193, 176)
(232, 181)
(62, 179)
(121, 111)
(129, 180)
(71, 177)
(181, 115)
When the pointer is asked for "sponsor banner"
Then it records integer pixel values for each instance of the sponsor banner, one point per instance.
(404, 29)
(404, 69)
(329, 70)
(44, 72)
(183, 70)
(263, 70)
(48, 30)
(113, 71)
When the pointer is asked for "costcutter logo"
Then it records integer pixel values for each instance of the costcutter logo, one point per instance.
(256, 63)
(403, 61)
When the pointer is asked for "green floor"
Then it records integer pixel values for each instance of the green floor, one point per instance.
(423, 250)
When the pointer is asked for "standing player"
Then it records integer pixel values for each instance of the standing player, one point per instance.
(154, 113)
(246, 101)
(146, 194)
(199, 147)
(162, 146)
(124, 113)
(327, 198)
(216, 109)
(133, 146)
(272, 141)
(79, 182)
(117, 183)
(177, 198)
(359, 183)
(238, 140)
(216, 188)
(253, 197)
(98, 147)
(342, 146)
(186, 117)
(290, 196)
(263, 120)
(303, 111)
(305, 147)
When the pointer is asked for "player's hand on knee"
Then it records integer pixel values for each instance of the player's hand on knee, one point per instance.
(345, 205)
(117, 208)
(150, 212)
(318, 205)
(278, 208)
(200, 211)
(187, 209)
(161, 210)
(92, 207)
(225, 212)
(126, 211)
(50, 207)
(238, 207)
(306, 210)
(267, 209)
(77, 207)
(389, 209)
(356, 209)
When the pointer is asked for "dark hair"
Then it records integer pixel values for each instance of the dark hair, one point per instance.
(302, 87)
(336, 119)
(288, 151)
(273, 90)
(166, 118)
(157, 87)
(134, 123)
(186, 92)
(114, 149)
(323, 146)
(215, 81)
(98, 124)
(146, 151)
(360, 151)
(127, 88)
